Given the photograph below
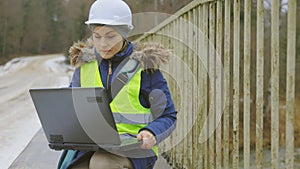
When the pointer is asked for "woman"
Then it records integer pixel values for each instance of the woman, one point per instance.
(145, 94)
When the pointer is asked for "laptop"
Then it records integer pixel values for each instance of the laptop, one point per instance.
(79, 119)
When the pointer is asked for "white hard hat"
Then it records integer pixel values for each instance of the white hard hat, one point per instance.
(110, 12)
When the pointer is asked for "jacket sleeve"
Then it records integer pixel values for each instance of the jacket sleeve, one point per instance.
(161, 105)
(76, 78)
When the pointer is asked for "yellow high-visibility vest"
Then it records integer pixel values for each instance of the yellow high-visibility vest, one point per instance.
(130, 116)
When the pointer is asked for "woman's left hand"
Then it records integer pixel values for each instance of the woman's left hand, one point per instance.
(148, 139)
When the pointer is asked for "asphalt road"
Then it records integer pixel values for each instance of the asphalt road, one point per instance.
(19, 122)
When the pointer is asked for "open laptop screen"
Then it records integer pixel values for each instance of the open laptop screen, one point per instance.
(75, 115)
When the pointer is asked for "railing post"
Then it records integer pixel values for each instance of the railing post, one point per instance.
(195, 92)
(227, 40)
(236, 83)
(275, 84)
(290, 83)
(219, 84)
(212, 85)
(259, 82)
(179, 134)
(202, 81)
(205, 84)
(247, 63)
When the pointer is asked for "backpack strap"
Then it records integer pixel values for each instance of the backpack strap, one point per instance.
(66, 158)
(125, 71)
(79, 160)
(61, 159)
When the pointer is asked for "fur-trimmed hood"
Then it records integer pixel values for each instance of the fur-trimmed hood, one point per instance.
(150, 55)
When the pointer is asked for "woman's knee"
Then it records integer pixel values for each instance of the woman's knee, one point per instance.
(107, 160)
(99, 160)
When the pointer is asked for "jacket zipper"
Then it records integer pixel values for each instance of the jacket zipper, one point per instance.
(108, 73)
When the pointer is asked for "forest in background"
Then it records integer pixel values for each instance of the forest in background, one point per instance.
(31, 27)
(35, 27)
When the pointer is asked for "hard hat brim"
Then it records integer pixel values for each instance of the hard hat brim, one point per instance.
(106, 22)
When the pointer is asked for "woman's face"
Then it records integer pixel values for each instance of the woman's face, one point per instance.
(107, 41)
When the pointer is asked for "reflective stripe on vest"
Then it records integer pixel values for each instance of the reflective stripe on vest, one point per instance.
(130, 116)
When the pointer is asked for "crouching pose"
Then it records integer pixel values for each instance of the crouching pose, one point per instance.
(142, 106)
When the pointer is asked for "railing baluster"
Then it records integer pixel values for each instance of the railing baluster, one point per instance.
(205, 83)
(227, 30)
(259, 83)
(290, 83)
(247, 63)
(201, 84)
(194, 46)
(275, 84)
(178, 94)
(219, 85)
(236, 83)
(212, 96)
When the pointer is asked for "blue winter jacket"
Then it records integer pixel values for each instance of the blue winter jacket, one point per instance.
(161, 106)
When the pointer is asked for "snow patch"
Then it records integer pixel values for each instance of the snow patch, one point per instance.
(58, 65)
(13, 65)
(22, 119)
